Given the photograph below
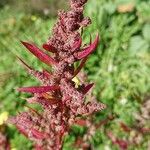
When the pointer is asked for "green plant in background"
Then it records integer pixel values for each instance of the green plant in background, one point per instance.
(120, 65)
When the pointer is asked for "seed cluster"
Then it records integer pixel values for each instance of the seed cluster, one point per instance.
(61, 100)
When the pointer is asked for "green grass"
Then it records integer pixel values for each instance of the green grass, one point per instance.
(120, 67)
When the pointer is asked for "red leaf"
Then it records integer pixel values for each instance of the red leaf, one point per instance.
(87, 88)
(49, 48)
(22, 130)
(46, 73)
(77, 44)
(37, 134)
(47, 102)
(80, 66)
(87, 51)
(39, 54)
(122, 144)
(40, 89)
(125, 127)
(81, 122)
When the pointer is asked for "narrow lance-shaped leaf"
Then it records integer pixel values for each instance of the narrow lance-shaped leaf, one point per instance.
(81, 122)
(49, 48)
(39, 54)
(87, 88)
(77, 44)
(87, 51)
(80, 66)
(22, 130)
(40, 89)
(46, 73)
(38, 134)
(43, 101)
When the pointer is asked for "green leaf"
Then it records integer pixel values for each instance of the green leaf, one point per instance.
(146, 32)
(138, 45)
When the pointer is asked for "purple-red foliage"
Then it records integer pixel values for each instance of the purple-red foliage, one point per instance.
(4, 141)
(135, 135)
(62, 102)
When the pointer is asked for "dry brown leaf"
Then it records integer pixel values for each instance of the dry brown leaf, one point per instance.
(123, 8)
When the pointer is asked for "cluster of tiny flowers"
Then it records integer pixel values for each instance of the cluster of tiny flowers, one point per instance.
(61, 100)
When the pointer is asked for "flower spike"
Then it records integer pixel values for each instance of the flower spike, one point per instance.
(63, 100)
(87, 51)
(39, 54)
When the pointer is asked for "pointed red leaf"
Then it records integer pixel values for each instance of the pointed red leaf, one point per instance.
(77, 44)
(38, 134)
(40, 89)
(46, 73)
(87, 51)
(22, 130)
(49, 48)
(87, 88)
(122, 144)
(39, 54)
(125, 127)
(47, 102)
(81, 122)
(80, 66)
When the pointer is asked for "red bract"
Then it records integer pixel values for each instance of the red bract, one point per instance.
(39, 89)
(87, 88)
(87, 51)
(37, 134)
(39, 54)
(49, 48)
(77, 44)
(80, 66)
(61, 100)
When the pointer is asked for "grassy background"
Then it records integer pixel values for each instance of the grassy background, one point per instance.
(120, 67)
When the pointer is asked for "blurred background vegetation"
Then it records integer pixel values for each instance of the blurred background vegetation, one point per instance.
(120, 67)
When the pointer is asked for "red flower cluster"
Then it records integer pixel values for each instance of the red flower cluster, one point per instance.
(61, 100)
